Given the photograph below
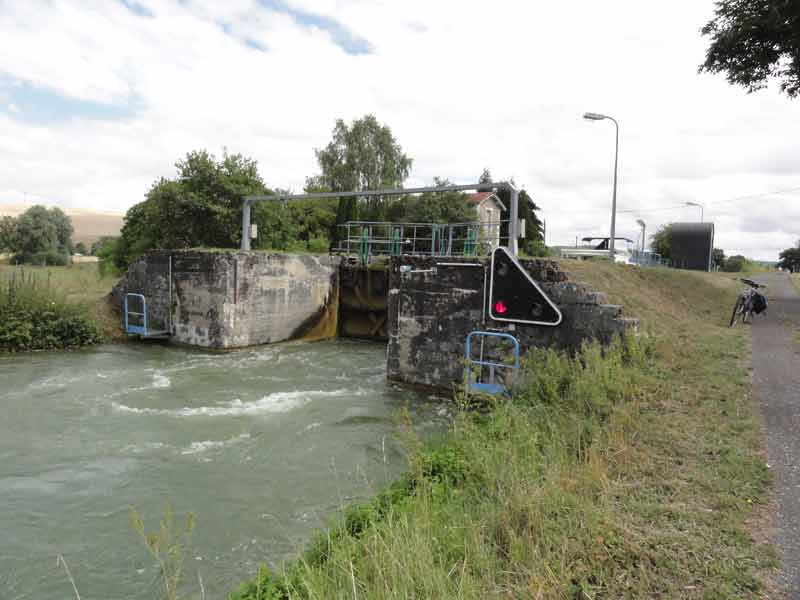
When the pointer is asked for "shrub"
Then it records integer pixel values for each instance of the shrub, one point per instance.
(47, 258)
(318, 244)
(34, 316)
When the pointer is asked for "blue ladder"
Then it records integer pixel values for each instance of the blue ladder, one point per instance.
(491, 387)
(140, 318)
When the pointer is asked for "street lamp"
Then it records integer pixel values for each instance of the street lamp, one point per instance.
(590, 116)
(642, 225)
(698, 205)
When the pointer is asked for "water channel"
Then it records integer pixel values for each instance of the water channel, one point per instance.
(261, 445)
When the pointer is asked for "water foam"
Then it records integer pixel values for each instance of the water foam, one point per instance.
(277, 402)
(161, 381)
(198, 447)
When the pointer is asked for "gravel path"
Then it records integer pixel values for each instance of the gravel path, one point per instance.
(776, 385)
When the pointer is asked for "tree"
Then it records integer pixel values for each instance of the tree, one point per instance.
(718, 258)
(202, 206)
(80, 248)
(661, 241)
(432, 207)
(734, 264)
(8, 233)
(362, 156)
(790, 259)
(64, 230)
(753, 41)
(101, 242)
(486, 176)
(105, 249)
(36, 232)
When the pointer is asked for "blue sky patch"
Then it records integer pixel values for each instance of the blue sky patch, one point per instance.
(341, 35)
(28, 103)
(137, 8)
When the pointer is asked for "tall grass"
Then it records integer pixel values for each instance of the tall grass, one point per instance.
(36, 315)
(506, 504)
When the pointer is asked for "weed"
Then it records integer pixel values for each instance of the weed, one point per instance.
(34, 315)
(168, 546)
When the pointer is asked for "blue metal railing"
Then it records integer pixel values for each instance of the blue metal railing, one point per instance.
(492, 386)
(140, 316)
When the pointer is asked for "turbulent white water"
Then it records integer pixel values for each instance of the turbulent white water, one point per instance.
(261, 445)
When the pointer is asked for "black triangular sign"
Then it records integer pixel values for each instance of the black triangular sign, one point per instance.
(514, 297)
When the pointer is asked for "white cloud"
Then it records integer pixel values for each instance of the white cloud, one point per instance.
(463, 85)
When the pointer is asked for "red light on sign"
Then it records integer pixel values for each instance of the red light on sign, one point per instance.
(500, 308)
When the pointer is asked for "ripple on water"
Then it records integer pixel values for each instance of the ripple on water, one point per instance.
(277, 402)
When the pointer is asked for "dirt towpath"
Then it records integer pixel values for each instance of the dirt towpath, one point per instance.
(776, 385)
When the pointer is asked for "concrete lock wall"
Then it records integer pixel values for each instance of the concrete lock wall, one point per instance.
(434, 305)
(236, 299)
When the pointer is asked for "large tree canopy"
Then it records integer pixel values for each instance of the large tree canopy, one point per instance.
(202, 206)
(753, 41)
(364, 155)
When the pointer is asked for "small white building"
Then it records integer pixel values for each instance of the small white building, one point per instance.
(490, 210)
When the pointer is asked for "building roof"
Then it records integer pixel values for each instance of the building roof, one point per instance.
(479, 197)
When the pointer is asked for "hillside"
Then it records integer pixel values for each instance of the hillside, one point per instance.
(634, 472)
(89, 225)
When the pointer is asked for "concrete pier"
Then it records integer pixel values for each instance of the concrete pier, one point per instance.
(236, 299)
(424, 306)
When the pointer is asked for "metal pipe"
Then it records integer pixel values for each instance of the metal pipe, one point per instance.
(513, 226)
(480, 187)
(246, 224)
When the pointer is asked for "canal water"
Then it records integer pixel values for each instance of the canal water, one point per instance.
(263, 446)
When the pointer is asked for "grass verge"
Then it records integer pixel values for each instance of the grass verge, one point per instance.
(625, 473)
(54, 307)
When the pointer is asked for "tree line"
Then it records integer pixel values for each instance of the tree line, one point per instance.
(202, 205)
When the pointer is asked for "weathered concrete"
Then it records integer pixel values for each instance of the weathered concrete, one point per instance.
(229, 299)
(430, 315)
(237, 299)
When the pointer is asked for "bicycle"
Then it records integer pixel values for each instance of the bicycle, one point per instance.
(749, 302)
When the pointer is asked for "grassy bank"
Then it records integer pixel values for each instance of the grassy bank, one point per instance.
(54, 307)
(625, 474)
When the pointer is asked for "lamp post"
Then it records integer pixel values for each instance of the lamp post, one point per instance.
(700, 206)
(642, 225)
(589, 116)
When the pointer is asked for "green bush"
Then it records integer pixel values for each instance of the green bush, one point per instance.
(536, 248)
(34, 316)
(318, 245)
(47, 258)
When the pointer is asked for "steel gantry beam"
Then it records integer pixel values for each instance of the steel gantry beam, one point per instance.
(513, 225)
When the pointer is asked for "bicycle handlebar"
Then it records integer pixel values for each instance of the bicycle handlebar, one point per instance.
(752, 283)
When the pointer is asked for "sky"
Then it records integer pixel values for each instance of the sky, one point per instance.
(99, 98)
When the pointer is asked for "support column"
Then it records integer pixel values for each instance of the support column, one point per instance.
(246, 225)
(513, 226)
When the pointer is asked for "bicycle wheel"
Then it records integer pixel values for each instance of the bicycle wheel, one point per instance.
(737, 309)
